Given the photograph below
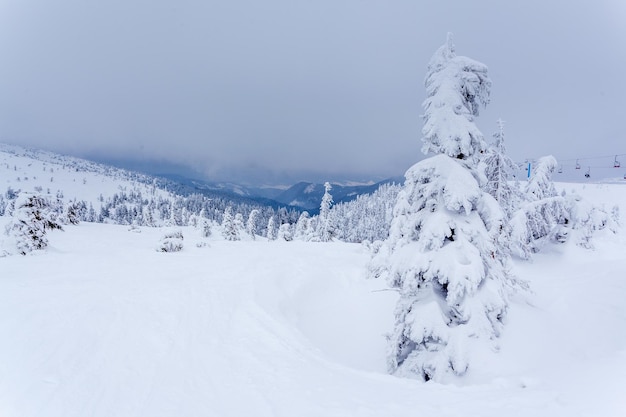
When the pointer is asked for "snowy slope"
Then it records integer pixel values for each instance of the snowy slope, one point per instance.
(101, 324)
(75, 179)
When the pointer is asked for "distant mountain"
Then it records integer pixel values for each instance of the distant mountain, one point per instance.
(303, 195)
(309, 195)
(237, 193)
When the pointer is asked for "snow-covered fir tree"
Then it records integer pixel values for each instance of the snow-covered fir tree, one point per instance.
(499, 170)
(302, 231)
(230, 231)
(456, 88)
(540, 184)
(271, 229)
(368, 217)
(193, 220)
(325, 226)
(239, 223)
(251, 225)
(439, 254)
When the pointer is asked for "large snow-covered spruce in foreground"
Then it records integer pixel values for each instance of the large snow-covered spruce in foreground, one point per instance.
(440, 254)
(443, 262)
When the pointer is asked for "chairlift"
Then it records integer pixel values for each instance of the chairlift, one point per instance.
(616, 163)
(561, 169)
(577, 164)
(588, 173)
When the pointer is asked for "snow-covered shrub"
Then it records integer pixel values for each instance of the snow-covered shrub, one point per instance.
(205, 227)
(171, 242)
(614, 222)
(585, 219)
(537, 223)
(71, 214)
(3, 205)
(11, 194)
(32, 218)
(285, 232)
(543, 215)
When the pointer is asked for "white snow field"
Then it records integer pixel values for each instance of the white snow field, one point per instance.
(101, 324)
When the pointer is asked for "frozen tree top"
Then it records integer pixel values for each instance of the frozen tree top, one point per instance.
(456, 87)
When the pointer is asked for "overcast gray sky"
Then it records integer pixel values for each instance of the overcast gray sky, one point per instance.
(262, 89)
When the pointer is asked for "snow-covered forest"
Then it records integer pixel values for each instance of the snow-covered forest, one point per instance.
(462, 291)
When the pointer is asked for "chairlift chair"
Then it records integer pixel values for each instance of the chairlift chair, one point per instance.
(577, 164)
(560, 169)
(588, 173)
(616, 163)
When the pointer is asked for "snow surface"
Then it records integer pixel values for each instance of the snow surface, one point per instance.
(101, 324)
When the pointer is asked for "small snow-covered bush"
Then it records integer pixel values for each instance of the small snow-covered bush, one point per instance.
(206, 231)
(71, 213)
(171, 242)
(3, 205)
(285, 233)
(585, 219)
(32, 217)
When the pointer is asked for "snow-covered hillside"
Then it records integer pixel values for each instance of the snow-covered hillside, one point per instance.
(105, 194)
(101, 324)
(72, 178)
